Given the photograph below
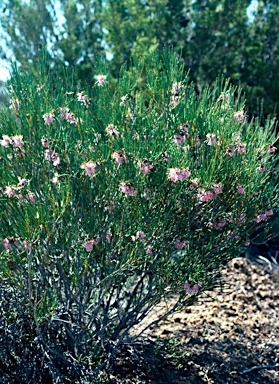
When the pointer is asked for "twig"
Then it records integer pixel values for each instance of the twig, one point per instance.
(256, 367)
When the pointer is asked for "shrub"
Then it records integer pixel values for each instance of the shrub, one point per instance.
(112, 201)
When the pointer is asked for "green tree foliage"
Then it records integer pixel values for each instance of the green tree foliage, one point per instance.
(139, 27)
(70, 31)
(260, 77)
(214, 37)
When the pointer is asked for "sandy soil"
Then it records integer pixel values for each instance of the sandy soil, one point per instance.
(216, 340)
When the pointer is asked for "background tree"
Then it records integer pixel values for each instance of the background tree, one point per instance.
(70, 31)
(259, 72)
(214, 37)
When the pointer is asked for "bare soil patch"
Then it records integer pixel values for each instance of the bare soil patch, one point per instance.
(216, 340)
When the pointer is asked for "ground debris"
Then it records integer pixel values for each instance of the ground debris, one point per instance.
(215, 342)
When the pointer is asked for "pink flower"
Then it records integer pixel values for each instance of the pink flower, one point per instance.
(9, 191)
(239, 116)
(63, 111)
(176, 174)
(211, 139)
(130, 116)
(48, 154)
(194, 183)
(127, 189)
(124, 100)
(261, 168)
(230, 152)
(101, 80)
(147, 193)
(191, 290)
(88, 245)
(174, 100)
(184, 128)
(54, 180)
(203, 195)
(272, 149)
(56, 159)
(241, 148)
(210, 224)
(22, 182)
(146, 167)
(31, 197)
(269, 212)
(218, 189)
(45, 142)
(247, 243)
(179, 139)
(17, 141)
(119, 157)
(224, 96)
(83, 98)
(111, 130)
(48, 118)
(7, 244)
(67, 115)
(53, 156)
(108, 237)
(139, 235)
(242, 218)
(6, 141)
(149, 249)
(71, 118)
(221, 223)
(240, 189)
(260, 218)
(26, 245)
(177, 88)
(180, 244)
(90, 167)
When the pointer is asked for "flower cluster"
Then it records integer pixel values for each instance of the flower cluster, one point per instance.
(15, 141)
(83, 98)
(90, 168)
(89, 244)
(48, 118)
(146, 167)
(191, 290)
(15, 191)
(176, 90)
(67, 115)
(128, 189)
(111, 130)
(263, 216)
(239, 116)
(138, 236)
(119, 157)
(16, 243)
(180, 244)
(177, 174)
(182, 135)
(101, 80)
(53, 156)
(211, 139)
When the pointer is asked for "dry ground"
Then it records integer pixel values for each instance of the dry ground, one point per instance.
(216, 340)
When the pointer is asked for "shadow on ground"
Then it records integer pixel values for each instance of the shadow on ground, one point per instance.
(216, 340)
